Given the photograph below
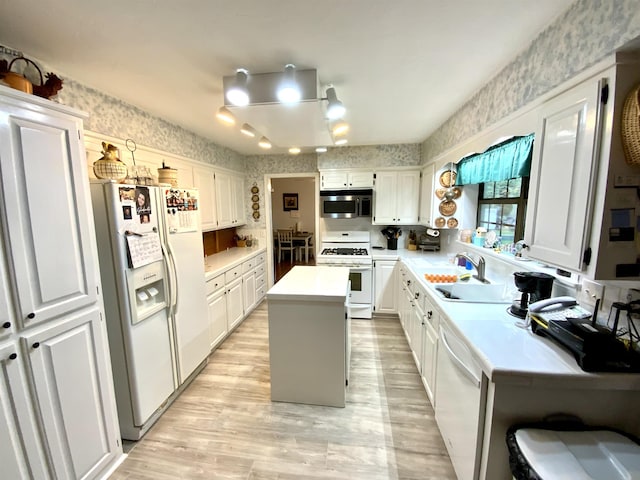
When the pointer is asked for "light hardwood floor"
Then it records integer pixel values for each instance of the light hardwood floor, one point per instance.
(225, 426)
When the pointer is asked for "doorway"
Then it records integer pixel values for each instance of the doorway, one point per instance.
(292, 204)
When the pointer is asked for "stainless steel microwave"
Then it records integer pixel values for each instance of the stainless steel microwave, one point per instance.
(345, 203)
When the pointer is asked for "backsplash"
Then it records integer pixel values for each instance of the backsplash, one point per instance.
(586, 33)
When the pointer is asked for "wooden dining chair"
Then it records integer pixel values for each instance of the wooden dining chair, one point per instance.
(285, 243)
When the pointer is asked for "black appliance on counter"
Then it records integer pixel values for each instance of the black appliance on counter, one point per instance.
(533, 286)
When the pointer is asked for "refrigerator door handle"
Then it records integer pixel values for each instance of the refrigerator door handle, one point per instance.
(170, 279)
(174, 280)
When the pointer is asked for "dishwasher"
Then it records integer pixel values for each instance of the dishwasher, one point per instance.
(461, 391)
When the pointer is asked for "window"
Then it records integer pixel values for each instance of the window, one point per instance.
(502, 207)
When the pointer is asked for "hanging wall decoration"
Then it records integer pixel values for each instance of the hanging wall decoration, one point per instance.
(255, 199)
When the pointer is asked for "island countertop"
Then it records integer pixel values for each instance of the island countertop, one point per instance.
(313, 283)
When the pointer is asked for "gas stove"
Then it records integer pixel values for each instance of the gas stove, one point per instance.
(345, 248)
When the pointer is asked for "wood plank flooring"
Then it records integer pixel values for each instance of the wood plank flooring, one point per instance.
(224, 425)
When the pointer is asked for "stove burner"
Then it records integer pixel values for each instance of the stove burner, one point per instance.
(345, 251)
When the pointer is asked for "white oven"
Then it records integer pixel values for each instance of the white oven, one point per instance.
(351, 249)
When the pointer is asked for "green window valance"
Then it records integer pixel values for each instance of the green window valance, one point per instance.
(509, 159)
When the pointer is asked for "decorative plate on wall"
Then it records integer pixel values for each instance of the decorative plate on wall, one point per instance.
(256, 206)
(448, 178)
(447, 208)
(255, 198)
(440, 222)
(440, 193)
(255, 189)
(256, 215)
(452, 222)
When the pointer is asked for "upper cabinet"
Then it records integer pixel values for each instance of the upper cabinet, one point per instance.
(562, 176)
(396, 197)
(229, 199)
(426, 195)
(204, 181)
(345, 179)
(583, 202)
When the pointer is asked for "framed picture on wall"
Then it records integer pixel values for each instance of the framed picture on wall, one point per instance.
(290, 201)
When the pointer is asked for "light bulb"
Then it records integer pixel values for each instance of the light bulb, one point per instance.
(341, 141)
(248, 130)
(237, 94)
(294, 150)
(225, 116)
(321, 149)
(264, 143)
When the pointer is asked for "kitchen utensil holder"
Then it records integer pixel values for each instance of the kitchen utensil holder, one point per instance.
(392, 243)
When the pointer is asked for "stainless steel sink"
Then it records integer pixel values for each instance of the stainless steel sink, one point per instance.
(472, 292)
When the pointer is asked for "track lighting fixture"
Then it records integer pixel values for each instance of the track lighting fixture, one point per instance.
(321, 149)
(225, 116)
(248, 130)
(340, 141)
(288, 90)
(294, 150)
(335, 108)
(238, 94)
(340, 128)
(264, 143)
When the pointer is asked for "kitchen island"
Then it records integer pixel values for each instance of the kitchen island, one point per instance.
(309, 336)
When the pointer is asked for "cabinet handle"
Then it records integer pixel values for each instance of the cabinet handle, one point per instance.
(408, 282)
(429, 314)
(417, 294)
(6, 325)
(13, 356)
(36, 345)
(31, 316)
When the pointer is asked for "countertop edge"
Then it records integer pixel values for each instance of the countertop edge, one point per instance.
(220, 262)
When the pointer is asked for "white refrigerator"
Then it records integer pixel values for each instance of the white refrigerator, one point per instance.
(152, 270)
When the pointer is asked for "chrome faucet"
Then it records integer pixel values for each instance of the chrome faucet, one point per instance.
(479, 265)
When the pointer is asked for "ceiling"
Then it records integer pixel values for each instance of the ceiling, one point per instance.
(400, 67)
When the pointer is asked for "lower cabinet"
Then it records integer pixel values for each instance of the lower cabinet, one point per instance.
(235, 305)
(69, 374)
(385, 286)
(217, 308)
(430, 323)
(249, 290)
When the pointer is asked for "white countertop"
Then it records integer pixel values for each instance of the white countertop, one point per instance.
(216, 264)
(507, 352)
(319, 283)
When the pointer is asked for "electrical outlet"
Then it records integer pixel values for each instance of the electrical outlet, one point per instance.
(633, 294)
(590, 291)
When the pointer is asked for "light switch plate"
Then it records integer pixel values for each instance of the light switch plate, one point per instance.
(590, 291)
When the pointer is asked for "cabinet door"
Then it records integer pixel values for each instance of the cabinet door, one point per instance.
(239, 216)
(562, 176)
(21, 454)
(249, 291)
(426, 195)
(7, 323)
(217, 305)
(204, 182)
(185, 173)
(235, 306)
(384, 194)
(224, 199)
(429, 350)
(333, 180)
(386, 284)
(407, 198)
(70, 370)
(46, 203)
(360, 179)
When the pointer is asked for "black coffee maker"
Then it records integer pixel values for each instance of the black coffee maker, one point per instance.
(533, 286)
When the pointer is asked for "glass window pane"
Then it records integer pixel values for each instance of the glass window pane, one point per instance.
(509, 214)
(489, 189)
(515, 185)
(507, 234)
(501, 189)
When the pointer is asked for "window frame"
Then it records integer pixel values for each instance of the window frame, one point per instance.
(520, 202)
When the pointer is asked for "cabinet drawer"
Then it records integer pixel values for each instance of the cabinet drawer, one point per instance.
(231, 275)
(260, 268)
(215, 284)
(260, 280)
(248, 265)
(260, 259)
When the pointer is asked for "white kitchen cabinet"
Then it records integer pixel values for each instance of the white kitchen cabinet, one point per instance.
(563, 172)
(430, 325)
(57, 319)
(385, 286)
(217, 310)
(396, 197)
(229, 199)
(21, 453)
(417, 331)
(343, 179)
(427, 176)
(249, 290)
(76, 413)
(204, 181)
(235, 304)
